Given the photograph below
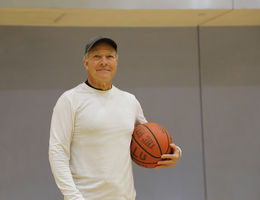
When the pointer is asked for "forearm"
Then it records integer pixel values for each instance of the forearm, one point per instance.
(59, 162)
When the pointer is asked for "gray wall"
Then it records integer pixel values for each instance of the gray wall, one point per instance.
(230, 68)
(134, 4)
(201, 84)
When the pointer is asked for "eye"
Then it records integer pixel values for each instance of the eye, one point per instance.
(110, 56)
(96, 57)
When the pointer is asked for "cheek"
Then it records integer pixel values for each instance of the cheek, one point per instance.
(114, 70)
(114, 66)
(91, 67)
(91, 71)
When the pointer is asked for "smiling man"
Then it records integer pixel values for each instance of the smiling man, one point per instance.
(101, 62)
(91, 130)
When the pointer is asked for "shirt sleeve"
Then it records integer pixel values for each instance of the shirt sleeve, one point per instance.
(59, 148)
(140, 119)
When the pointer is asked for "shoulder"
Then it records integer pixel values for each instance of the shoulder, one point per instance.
(128, 97)
(125, 94)
(68, 96)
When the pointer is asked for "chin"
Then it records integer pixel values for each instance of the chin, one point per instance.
(105, 79)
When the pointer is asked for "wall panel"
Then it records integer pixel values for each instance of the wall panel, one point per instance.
(231, 110)
(246, 4)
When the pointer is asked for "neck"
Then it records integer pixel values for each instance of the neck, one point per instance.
(99, 86)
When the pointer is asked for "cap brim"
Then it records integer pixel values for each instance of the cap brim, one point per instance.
(96, 40)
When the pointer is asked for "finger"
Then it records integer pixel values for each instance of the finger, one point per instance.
(173, 146)
(170, 156)
(159, 167)
(163, 166)
(176, 149)
(179, 151)
(166, 162)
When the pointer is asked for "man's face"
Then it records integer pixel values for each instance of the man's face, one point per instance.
(101, 63)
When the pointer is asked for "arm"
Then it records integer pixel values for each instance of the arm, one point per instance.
(169, 159)
(140, 119)
(59, 148)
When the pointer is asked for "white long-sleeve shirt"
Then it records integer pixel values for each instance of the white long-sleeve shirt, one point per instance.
(89, 148)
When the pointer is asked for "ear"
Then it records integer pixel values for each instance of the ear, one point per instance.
(85, 63)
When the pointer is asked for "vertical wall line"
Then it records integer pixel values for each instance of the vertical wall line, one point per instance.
(201, 115)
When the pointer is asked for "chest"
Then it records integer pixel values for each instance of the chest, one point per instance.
(101, 114)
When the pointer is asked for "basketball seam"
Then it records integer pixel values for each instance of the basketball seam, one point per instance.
(168, 143)
(144, 149)
(153, 136)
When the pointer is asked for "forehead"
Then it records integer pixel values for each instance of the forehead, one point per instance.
(102, 46)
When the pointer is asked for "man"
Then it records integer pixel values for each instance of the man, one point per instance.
(91, 131)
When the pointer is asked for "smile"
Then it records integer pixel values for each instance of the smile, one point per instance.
(103, 70)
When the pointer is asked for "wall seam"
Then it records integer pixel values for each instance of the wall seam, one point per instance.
(201, 115)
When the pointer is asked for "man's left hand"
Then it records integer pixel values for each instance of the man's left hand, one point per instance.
(170, 160)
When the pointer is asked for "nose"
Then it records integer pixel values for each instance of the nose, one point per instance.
(103, 60)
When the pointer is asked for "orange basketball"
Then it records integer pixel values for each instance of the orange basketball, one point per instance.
(149, 142)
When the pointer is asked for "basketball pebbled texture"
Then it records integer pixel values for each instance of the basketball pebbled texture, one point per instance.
(149, 142)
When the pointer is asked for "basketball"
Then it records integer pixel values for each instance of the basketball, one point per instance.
(149, 142)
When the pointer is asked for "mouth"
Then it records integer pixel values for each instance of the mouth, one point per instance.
(108, 70)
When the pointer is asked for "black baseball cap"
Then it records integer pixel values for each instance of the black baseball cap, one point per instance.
(92, 42)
